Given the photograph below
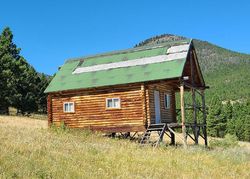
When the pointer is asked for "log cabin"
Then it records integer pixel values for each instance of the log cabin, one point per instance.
(127, 90)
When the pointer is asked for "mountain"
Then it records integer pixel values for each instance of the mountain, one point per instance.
(225, 71)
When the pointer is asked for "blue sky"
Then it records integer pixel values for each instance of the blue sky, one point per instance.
(51, 31)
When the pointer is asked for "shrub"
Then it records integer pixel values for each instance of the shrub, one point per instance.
(228, 141)
(60, 129)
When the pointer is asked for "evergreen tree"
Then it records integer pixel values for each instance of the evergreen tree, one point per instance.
(239, 128)
(27, 89)
(247, 129)
(9, 54)
(216, 121)
(239, 125)
(228, 111)
(231, 127)
(42, 97)
(20, 85)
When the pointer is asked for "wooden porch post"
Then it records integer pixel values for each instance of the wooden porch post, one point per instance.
(183, 116)
(196, 135)
(144, 105)
(204, 116)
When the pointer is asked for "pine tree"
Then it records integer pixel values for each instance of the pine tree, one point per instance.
(20, 85)
(27, 89)
(247, 129)
(216, 121)
(9, 53)
(228, 111)
(231, 129)
(42, 97)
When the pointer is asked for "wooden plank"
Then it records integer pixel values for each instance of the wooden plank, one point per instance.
(183, 116)
(204, 116)
(144, 104)
(198, 70)
(148, 106)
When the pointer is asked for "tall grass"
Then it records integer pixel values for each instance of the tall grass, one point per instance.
(30, 151)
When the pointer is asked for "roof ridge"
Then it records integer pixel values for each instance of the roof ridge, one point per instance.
(129, 50)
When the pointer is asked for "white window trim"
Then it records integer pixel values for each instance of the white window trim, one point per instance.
(169, 102)
(118, 107)
(68, 111)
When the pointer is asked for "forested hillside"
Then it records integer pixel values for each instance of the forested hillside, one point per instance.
(228, 75)
(21, 86)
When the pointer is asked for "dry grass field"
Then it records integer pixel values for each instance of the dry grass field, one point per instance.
(28, 149)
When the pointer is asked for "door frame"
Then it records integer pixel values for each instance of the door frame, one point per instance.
(157, 106)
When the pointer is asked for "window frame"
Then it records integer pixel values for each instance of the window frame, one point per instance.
(119, 103)
(169, 100)
(73, 111)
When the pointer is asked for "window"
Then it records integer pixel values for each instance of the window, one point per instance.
(167, 101)
(68, 107)
(113, 103)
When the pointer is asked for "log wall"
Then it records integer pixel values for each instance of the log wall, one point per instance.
(49, 109)
(167, 115)
(90, 109)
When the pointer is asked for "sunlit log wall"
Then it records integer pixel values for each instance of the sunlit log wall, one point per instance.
(90, 109)
(167, 115)
(136, 112)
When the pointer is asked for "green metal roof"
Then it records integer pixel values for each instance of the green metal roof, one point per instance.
(66, 80)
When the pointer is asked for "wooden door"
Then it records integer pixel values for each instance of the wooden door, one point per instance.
(157, 107)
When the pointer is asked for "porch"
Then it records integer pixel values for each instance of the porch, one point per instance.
(190, 118)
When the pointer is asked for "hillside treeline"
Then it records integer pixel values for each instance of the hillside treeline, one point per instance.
(21, 86)
(229, 117)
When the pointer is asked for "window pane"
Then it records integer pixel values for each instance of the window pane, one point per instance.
(71, 107)
(66, 107)
(113, 103)
(167, 101)
(109, 103)
(116, 103)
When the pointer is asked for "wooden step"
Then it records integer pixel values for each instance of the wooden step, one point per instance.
(157, 125)
(153, 127)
